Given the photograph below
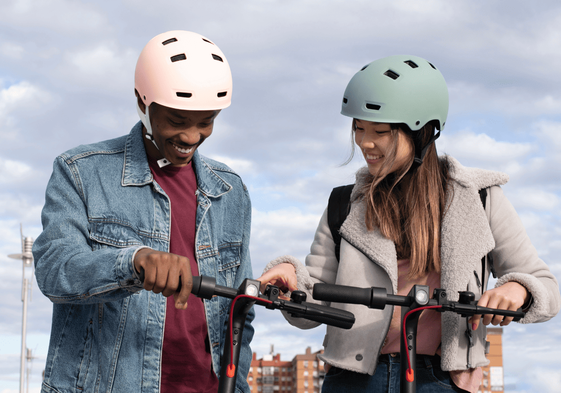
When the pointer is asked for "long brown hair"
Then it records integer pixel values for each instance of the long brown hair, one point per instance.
(408, 205)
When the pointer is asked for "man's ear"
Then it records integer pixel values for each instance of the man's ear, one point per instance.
(141, 104)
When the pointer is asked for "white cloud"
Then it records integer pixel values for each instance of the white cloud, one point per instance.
(63, 16)
(280, 232)
(502, 97)
(17, 206)
(240, 166)
(534, 198)
(469, 146)
(20, 98)
(13, 171)
(11, 50)
(100, 65)
(550, 134)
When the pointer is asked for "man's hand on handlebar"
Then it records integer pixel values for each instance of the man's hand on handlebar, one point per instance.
(162, 272)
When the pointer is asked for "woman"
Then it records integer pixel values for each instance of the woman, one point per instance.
(416, 218)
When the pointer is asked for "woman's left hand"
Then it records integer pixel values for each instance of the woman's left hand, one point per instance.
(510, 296)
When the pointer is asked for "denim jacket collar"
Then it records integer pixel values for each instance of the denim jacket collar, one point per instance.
(136, 170)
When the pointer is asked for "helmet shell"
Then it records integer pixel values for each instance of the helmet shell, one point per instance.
(183, 70)
(398, 89)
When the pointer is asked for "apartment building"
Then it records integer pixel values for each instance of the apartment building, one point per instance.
(304, 374)
(493, 380)
(308, 373)
(270, 374)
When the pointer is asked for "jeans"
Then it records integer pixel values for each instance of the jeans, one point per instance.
(429, 375)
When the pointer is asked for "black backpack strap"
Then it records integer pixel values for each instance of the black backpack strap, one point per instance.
(483, 196)
(338, 208)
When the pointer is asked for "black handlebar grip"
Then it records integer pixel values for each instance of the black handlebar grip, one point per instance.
(203, 287)
(319, 313)
(342, 294)
(520, 315)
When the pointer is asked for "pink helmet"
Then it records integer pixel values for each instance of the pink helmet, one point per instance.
(183, 70)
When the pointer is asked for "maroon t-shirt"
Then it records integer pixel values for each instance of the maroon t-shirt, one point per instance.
(186, 358)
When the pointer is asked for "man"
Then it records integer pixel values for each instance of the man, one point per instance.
(147, 201)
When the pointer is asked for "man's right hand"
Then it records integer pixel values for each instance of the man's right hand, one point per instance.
(161, 274)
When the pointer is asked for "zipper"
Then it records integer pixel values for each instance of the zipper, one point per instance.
(469, 336)
(477, 279)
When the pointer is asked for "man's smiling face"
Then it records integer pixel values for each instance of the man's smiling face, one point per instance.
(178, 133)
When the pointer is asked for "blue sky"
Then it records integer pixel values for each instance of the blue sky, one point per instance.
(66, 78)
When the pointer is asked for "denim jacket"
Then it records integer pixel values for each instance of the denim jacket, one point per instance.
(102, 205)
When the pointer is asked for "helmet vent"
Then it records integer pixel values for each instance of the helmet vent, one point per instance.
(391, 74)
(222, 94)
(432, 66)
(216, 57)
(205, 40)
(178, 57)
(411, 63)
(169, 41)
(363, 68)
(184, 95)
(373, 107)
(345, 100)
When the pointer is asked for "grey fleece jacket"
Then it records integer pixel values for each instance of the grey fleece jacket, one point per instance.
(368, 259)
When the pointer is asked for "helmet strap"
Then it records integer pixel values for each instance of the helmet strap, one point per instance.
(145, 119)
(421, 151)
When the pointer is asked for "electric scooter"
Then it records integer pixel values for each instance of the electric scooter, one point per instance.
(244, 298)
(417, 300)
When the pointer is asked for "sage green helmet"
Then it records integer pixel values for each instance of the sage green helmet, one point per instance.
(398, 89)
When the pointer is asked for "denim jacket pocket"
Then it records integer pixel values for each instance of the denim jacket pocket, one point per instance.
(229, 262)
(111, 232)
(86, 354)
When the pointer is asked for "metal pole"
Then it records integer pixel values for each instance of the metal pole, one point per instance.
(28, 370)
(23, 336)
(27, 258)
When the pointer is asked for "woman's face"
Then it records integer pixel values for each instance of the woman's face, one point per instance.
(376, 143)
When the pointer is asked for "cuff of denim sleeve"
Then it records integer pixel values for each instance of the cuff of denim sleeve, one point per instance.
(136, 274)
(124, 270)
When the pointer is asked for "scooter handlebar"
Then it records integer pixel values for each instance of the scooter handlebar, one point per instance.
(205, 287)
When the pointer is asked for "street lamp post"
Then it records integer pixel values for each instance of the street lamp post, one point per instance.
(27, 258)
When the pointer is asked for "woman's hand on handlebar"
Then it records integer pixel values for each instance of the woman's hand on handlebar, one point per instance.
(510, 296)
(283, 276)
(162, 271)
